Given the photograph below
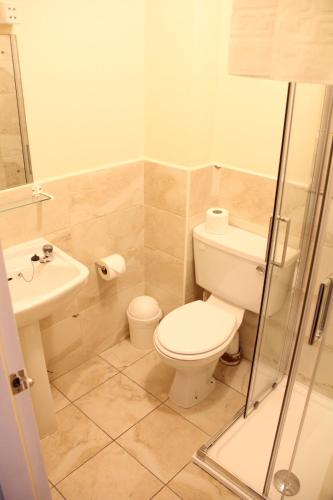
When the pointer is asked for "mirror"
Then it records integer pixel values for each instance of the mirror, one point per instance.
(15, 164)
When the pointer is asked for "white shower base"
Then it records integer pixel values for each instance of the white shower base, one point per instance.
(244, 449)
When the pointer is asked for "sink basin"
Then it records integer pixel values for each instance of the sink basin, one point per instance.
(54, 283)
(37, 290)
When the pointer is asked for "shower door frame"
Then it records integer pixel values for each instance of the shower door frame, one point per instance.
(270, 251)
(321, 184)
(309, 230)
(325, 186)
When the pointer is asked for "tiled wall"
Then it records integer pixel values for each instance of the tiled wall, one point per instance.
(92, 215)
(147, 213)
(165, 226)
(11, 160)
(176, 200)
(249, 199)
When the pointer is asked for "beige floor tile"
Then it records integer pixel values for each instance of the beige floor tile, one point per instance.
(76, 440)
(193, 483)
(55, 495)
(215, 411)
(236, 377)
(85, 377)
(123, 354)
(152, 374)
(59, 400)
(166, 494)
(163, 441)
(112, 474)
(117, 404)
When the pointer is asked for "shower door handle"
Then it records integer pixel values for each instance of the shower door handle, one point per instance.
(321, 311)
(269, 237)
(287, 221)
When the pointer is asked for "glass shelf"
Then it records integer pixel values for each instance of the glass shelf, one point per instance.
(29, 200)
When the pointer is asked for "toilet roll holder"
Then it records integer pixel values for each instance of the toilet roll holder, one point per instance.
(102, 268)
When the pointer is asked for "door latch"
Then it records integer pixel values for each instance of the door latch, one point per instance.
(20, 381)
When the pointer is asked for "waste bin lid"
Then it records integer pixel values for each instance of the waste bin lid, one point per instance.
(144, 307)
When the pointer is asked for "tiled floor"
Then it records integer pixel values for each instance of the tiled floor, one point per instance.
(119, 437)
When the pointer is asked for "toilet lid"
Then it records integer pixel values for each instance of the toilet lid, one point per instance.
(195, 328)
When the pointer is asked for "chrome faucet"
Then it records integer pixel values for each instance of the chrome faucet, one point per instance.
(48, 254)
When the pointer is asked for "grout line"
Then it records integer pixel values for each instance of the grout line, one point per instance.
(155, 207)
(159, 209)
(165, 486)
(62, 496)
(140, 420)
(94, 388)
(187, 225)
(140, 463)
(173, 477)
(230, 386)
(75, 367)
(187, 420)
(165, 253)
(83, 463)
(132, 363)
(85, 393)
(142, 387)
(91, 218)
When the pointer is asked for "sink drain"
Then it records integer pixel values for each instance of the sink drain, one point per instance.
(286, 482)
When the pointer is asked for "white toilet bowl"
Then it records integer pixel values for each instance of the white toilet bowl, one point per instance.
(191, 339)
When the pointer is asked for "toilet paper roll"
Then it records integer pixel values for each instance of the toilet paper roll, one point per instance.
(217, 220)
(110, 267)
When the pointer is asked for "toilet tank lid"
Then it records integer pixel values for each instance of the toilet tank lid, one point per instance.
(239, 242)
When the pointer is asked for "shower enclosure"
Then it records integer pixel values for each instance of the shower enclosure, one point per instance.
(281, 443)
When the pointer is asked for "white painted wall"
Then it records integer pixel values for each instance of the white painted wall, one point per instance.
(82, 71)
(114, 80)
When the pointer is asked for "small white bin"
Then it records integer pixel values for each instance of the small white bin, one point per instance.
(144, 314)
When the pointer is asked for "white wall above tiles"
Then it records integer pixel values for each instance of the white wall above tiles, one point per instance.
(95, 97)
(82, 74)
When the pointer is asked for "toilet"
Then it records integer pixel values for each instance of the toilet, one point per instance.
(193, 337)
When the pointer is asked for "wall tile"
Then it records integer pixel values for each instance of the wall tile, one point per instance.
(167, 300)
(105, 323)
(96, 238)
(63, 346)
(92, 215)
(204, 189)
(99, 193)
(164, 231)
(71, 309)
(165, 187)
(164, 271)
(248, 333)
(246, 196)
(97, 288)
(192, 290)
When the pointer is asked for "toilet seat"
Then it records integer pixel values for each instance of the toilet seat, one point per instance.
(195, 329)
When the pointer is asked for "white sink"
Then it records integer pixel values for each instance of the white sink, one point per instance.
(54, 283)
(42, 289)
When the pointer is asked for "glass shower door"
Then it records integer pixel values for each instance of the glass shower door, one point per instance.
(305, 446)
(292, 224)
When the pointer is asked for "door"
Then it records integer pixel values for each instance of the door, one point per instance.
(289, 242)
(22, 472)
(304, 450)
